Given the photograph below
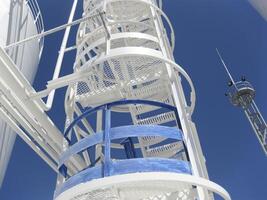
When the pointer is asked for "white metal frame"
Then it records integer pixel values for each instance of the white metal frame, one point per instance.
(38, 21)
(19, 111)
(22, 106)
(167, 179)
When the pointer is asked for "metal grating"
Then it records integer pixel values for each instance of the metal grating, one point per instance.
(141, 191)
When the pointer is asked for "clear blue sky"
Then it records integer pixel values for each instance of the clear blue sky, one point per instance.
(234, 157)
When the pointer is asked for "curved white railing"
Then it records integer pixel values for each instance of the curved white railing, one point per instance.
(38, 20)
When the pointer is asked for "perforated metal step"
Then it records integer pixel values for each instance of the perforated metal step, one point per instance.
(165, 151)
(158, 119)
(151, 140)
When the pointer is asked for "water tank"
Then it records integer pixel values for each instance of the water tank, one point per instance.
(260, 6)
(19, 19)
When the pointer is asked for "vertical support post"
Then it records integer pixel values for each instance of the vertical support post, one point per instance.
(50, 98)
(98, 148)
(107, 141)
(191, 139)
(129, 148)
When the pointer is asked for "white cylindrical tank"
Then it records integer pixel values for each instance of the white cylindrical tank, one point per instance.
(19, 19)
(260, 6)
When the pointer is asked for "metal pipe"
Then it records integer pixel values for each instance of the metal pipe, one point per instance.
(15, 127)
(51, 31)
(58, 66)
(227, 71)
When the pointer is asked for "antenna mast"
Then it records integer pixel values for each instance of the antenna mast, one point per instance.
(225, 67)
(242, 95)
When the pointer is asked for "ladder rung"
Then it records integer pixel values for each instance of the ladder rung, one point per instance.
(158, 119)
(151, 140)
(165, 151)
(140, 109)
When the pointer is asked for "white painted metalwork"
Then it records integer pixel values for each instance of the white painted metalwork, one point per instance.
(38, 20)
(18, 19)
(126, 54)
(143, 186)
(123, 53)
(46, 33)
(260, 6)
(25, 116)
(61, 54)
(36, 128)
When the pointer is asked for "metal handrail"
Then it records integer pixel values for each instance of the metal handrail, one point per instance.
(109, 133)
(120, 133)
(38, 20)
(240, 85)
(243, 84)
(117, 103)
(121, 167)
